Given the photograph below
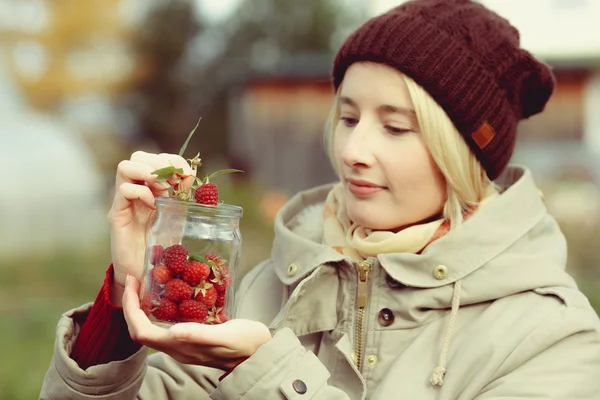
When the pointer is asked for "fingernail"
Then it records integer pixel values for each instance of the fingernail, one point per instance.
(164, 185)
(127, 280)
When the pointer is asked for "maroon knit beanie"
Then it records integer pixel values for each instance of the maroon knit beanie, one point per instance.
(468, 59)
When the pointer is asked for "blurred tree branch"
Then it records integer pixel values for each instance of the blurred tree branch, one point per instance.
(194, 64)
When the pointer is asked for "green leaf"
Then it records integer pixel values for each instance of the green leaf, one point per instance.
(164, 174)
(222, 171)
(185, 144)
(196, 257)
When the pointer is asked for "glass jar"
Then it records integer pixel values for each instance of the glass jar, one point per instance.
(191, 260)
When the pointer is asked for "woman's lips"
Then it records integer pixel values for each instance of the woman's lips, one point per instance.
(362, 188)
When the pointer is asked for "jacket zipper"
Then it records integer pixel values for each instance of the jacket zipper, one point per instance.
(362, 268)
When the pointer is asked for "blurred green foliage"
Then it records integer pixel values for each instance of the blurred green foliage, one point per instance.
(34, 293)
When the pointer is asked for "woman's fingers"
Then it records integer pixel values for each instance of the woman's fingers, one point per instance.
(128, 192)
(157, 161)
(238, 334)
(138, 170)
(140, 328)
(144, 332)
(203, 346)
(135, 172)
(180, 162)
(177, 161)
(185, 182)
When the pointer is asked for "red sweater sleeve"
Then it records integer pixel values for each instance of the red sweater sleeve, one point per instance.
(104, 336)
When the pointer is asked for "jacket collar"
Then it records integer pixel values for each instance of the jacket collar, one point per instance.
(486, 234)
(297, 248)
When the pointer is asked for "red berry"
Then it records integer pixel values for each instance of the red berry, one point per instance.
(167, 311)
(223, 316)
(207, 296)
(195, 272)
(161, 274)
(193, 311)
(175, 258)
(150, 302)
(155, 288)
(220, 278)
(207, 194)
(215, 262)
(157, 254)
(222, 286)
(220, 302)
(177, 290)
(214, 258)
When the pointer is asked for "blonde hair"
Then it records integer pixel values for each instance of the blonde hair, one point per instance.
(466, 180)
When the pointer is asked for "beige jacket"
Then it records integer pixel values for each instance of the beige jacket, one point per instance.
(520, 330)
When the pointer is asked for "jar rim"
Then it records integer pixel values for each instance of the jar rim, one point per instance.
(220, 210)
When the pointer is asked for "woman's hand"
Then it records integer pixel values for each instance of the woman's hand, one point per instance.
(220, 346)
(135, 191)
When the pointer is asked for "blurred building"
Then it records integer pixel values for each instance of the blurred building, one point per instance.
(277, 122)
(565, 139)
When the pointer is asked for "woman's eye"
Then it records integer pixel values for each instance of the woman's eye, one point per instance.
(396, 131)
(348, 121)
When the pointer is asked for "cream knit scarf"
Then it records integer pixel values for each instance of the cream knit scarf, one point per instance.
(358, 242)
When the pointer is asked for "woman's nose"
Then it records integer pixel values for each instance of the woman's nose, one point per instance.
(358, 148)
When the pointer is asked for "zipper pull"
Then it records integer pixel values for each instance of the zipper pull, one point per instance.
(363, 268)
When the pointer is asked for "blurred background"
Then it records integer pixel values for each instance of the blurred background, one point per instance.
(83, 84)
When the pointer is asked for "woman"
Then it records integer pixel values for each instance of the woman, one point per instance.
(430, 271)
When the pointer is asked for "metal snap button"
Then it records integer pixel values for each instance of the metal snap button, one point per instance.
(440, 272)
(385, 317)
(372, 360)
(299, 386)
(292, 269)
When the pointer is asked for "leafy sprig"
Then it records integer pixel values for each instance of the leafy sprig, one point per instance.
(177, 190)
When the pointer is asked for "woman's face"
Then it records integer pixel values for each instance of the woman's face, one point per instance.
(390, 179)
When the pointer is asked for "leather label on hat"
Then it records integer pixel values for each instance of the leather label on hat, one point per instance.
(484, 135)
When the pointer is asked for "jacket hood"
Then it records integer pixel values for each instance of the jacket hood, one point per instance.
(509, 246)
